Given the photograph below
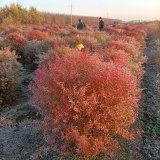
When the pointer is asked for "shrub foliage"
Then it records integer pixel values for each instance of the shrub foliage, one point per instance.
(9, 76)
(37, 35)
(86, 102)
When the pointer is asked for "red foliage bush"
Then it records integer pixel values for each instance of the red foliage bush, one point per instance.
(139, 33)
(37, 35)
(53, 27)
(138, 36)
(141, 29)
(111, 30)
(86, 103)
(116, 56)
(123, 45)
(15, 30)
(16, 39)
(128, 53)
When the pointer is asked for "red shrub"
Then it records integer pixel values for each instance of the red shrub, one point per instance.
(139, 37)
(37, 35)
(128, 53)
(111, 30)
(142, 30)
(127, 28)
(123, 45)
(118, 56)
(15, 39)
(53, 27)
(139, 34)
(15, 30)
(85, 102)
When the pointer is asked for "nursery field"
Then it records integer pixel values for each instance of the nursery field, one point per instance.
(80, 94)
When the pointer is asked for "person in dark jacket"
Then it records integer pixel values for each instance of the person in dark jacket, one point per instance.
(80, 24)
(101, 24)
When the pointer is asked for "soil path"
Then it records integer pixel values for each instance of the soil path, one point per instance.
(150, 104)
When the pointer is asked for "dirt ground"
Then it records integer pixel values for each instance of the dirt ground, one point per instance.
(20, 138)
(150, 105)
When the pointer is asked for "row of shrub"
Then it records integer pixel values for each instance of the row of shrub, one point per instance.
(89, 98)
(49, 35)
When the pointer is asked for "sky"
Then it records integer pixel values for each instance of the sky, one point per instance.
(126, 10)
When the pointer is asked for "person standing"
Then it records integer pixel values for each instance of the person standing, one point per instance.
(80, 24)
(101, 24)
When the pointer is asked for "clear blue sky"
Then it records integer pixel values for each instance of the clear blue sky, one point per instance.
(119, 9)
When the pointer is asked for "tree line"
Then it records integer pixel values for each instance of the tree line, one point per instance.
(16, 14)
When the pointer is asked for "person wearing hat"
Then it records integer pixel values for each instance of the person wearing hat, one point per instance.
(101, 24)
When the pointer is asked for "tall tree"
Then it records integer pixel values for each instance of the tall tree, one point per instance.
(16, 14)
(35, 17)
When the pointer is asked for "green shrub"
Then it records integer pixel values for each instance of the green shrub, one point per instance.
(9, 76)
(31, 51)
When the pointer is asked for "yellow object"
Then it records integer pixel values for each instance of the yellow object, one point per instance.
(80, 47)
(77, 35)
